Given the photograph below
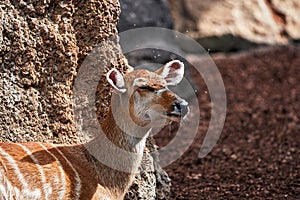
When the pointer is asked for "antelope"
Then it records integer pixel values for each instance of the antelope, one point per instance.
(140, 99)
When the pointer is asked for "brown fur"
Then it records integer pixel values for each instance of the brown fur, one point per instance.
(97, 180)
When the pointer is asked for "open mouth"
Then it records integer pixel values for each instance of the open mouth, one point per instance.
(176, 115)
(173, 116)
(169, 116)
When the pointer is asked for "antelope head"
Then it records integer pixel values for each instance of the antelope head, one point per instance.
(145, 96)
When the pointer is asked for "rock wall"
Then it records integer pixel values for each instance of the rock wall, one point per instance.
(42, 47)
(218, 24)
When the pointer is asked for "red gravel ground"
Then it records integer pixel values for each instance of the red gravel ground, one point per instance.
(258, 153)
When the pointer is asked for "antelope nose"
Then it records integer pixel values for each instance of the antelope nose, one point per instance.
(180, 107)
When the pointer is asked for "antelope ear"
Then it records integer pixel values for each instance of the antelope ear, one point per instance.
(172, 72)
(116, 80)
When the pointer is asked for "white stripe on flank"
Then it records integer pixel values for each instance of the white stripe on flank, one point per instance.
(46, 187)
(14, 165)
(77, 178)
(3, 193)
(62, 173)
(7, 191)
(35, 194)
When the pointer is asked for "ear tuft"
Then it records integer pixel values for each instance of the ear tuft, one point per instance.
(115, 78)
(172, 72)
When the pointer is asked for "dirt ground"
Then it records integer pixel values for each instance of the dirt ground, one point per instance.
(258, 153)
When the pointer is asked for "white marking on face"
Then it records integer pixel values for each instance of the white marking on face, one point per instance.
(140, 82)
(62, 173)
(161, 90)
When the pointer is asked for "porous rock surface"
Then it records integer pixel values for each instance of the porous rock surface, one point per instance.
(42, 47)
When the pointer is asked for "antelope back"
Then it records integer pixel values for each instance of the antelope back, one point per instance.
(45, 171)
